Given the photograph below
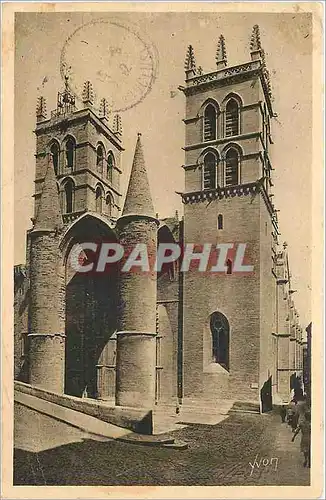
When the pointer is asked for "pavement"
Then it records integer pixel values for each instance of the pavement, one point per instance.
(237, 451)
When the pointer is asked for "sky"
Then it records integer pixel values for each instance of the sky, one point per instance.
(41, 39)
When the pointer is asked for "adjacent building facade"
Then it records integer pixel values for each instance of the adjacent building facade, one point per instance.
(169, 337)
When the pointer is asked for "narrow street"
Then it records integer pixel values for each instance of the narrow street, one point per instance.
(237, 451)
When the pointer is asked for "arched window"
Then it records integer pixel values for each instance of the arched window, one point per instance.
(110, 166)
(232, 168)
(220, 221)
(69, 193)
(55, 152)
(109, 205)
(220, 331)
(99, 158)
(210, 117)
(229, 266)
(210, 171)
(232, 118)
(98, 199)
(70, 153)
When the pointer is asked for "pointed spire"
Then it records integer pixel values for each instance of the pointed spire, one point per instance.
(117, 125)
(255, 43)
(138, 199)
(41, 112)
(88, 94)
(221, 57)
(190, 63)
(48, 217)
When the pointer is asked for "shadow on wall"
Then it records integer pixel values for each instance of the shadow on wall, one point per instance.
(266, 396)
(296, 385)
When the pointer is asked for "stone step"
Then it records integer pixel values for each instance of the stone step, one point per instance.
(192, 417)
(177, 445)
(245, 407)
(204, 411)
(164, 422)
(207, 405)
(147, 440)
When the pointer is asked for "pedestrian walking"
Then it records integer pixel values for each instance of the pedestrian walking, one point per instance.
(283, 413)
(305, 428)
(301, 408)
(292, 415)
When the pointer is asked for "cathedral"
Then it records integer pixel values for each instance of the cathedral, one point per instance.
(167, 338)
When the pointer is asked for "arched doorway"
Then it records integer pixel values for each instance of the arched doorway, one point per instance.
(220, 331)
(91, 313)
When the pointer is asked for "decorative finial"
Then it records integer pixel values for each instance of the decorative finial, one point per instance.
(65, 99)
(88, 94)
(258, 53)
(139, 134)
(200, 70)
(41, 109)
(104, 109)
(221, 57)
(285, 245)
(117, 125)
(190, 63)
(255, 44)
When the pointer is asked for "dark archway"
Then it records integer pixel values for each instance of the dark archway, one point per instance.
(220, 330)
(266, 396)
(91, 313)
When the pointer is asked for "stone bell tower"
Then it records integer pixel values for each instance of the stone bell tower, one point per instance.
(78, 157)
(84, 147)
(136, 336)
(229, 318)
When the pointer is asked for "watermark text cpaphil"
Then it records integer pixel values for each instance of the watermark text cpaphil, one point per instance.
(101, 257)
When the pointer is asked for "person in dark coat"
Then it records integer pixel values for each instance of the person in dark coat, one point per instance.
(305, 428)
(292, 415)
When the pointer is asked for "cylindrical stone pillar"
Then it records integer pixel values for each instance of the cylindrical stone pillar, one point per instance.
(136, 365)
(136, 336)
(47, 313)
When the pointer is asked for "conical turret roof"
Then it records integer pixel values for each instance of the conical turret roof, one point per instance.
(138, 199)
(49, 214)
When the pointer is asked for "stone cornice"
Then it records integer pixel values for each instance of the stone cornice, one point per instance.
(62, 335)
(80, 115)
(222, 140)
(219, 193)
(231, 191)
(228, 76)
(221, 76)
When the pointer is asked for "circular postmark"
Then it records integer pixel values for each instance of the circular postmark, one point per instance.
(120, 63)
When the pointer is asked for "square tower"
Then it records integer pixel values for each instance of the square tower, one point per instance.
(85, 152)
(229, 317)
